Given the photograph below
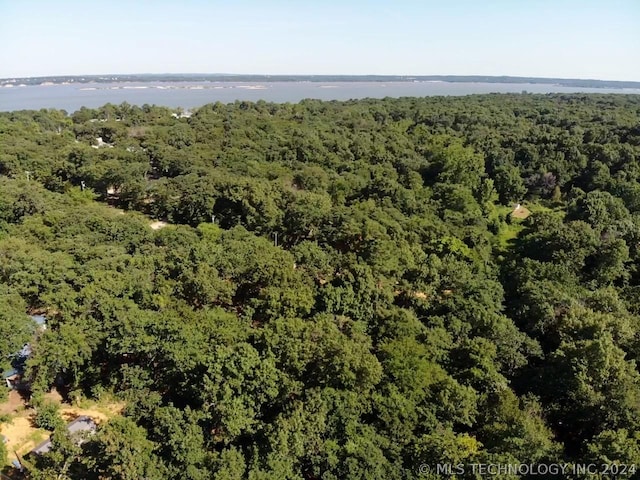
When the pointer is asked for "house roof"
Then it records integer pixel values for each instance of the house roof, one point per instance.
(80, 424)
(24, 352)
(39, 319)
(10, 373)
(43, 447)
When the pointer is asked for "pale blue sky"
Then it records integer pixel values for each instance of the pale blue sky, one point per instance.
(544, 38)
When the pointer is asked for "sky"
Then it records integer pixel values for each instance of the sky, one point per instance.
(595, 39)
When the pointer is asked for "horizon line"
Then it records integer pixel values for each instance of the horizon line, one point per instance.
(314, 75)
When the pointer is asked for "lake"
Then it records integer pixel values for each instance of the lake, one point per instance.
(193, 94)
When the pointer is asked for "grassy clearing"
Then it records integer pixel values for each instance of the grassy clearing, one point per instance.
(520, 213)
(509, 232)
(507, 235)
(509, 229)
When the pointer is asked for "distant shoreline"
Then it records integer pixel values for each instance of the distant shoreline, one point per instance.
(254, 85)
(175, 78)
(193, 94)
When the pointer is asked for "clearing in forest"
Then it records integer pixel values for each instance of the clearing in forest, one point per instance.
(21, 434)
(520, 212)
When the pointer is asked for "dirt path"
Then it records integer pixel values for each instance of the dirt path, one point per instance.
(99, 414)
(13, 405)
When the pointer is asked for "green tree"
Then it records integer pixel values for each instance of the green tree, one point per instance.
(509, 184)
(16, 328)
(121, 451)
(48, 416)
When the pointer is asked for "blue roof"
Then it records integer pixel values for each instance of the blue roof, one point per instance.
(24, 351)
(39, 319)
(9, 373)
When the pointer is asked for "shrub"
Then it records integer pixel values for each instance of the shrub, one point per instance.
(48, 416)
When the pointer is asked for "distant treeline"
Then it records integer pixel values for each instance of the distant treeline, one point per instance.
(218, 77)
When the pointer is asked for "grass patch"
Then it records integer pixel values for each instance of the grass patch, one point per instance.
(37, 436)
(506, 237)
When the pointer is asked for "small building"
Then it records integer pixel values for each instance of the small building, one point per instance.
(182, 114)
(41, 321)
(520, 212)
(12, 378)
(81, 428)
(100, 143)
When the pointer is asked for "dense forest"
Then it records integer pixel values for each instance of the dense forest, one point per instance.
(342, 290)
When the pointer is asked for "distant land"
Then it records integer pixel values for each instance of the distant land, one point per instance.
(218, 77)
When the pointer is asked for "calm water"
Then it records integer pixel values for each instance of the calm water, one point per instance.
(187, 95)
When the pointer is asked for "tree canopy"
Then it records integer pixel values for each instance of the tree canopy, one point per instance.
(340, 290)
